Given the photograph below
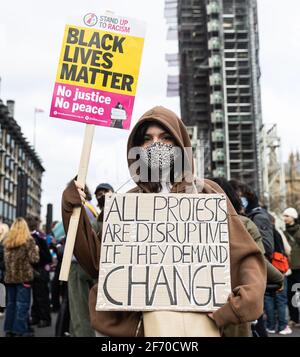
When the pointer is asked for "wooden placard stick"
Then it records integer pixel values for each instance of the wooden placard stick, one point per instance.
(74, 220)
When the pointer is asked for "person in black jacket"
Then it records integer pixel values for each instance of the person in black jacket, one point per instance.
(40, 310)
(258, 215)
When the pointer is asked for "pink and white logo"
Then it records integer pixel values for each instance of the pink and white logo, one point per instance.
(90, 19)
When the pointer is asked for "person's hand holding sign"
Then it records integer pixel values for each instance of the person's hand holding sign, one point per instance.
(211, 316)
(80, 190)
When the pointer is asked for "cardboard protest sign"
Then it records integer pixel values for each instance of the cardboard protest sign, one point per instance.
(164, 252)
(98, 70)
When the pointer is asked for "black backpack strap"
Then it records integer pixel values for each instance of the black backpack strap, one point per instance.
(278, 242)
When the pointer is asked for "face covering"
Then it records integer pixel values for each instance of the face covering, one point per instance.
(245, 202)
(101, 201)
(159, 156)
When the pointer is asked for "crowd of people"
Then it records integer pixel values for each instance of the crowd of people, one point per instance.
(264, 248)
(30, 262)
(278, 239)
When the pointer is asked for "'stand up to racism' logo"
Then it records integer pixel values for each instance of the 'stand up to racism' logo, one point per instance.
(90, 19)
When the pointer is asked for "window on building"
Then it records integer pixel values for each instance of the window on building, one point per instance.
(6, 185)
(229, 36)
(246, 118)
(234, 165)
(229, 45)
(229, 55)
(5, 210)
(234, 147)
(8, 138)
(244, 72)
(246, 109)
(9, 212)
(7, 162)
(242, 55)
(231, 91)
(1, 160)
(230, 64)
(234, 127)
(246, 138)
(30, 164)
(244, 81)
(242, 45)
(244, 100)
(244, 91)
(11, 187)
(247, 127)
(242, 36)
(241, 10)
(232, 110)
(11, 166)
(29, 201)
(247, 146)
(228, 7)
(235, 156)
(234, 137)
(186, 35)
(248, 165)
(248, 156)
(231, 81)
(231, 100)
(241, 26)
(14, 213)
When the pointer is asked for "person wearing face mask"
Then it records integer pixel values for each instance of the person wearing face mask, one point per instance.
(101, 190)
(257, 214)
(160, 161)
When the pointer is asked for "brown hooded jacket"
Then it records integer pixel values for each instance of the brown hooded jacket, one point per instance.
(248, 273)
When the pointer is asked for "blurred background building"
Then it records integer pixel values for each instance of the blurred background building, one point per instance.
(274, 194)
(20, 170)
(218, 83)
(292, 173)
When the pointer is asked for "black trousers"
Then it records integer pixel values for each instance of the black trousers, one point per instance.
(40, 309)
(62, 325)
(259, 330)
(56, 289)
(294, 278)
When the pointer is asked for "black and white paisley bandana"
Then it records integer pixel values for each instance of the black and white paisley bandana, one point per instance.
(159, 156)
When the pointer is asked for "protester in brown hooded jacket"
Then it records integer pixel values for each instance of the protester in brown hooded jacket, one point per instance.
(248, 275)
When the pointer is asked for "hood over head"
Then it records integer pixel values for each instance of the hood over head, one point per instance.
(174, 125)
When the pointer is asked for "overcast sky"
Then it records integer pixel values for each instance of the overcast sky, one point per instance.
(30, 39)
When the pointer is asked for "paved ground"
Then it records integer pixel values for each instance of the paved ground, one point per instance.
(49, 331)
(296, 333)
(39, 332)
